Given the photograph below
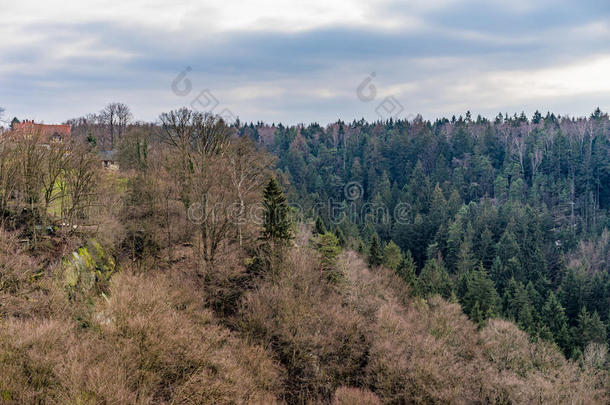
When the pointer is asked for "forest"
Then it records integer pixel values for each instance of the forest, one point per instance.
(508, 216)
(403, 261)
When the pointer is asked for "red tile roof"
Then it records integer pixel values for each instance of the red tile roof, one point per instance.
(46, 131)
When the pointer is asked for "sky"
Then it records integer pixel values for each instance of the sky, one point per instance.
(304, 61)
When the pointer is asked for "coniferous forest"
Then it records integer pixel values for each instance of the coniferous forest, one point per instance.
(508, 216)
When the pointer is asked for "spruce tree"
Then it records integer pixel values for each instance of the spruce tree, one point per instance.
(589, 329)
(476, 289)
(487, 248)
(375, 254)
(572, 294)
(328, 247)
(340, 237)
(434, 279)
(319, 228)
(553, 316)
(517, 305)
(407, 269)
(392, 255)
(277, 224)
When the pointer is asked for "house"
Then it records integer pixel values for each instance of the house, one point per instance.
(109, 159)
(48, 133)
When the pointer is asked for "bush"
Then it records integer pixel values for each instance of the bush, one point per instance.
(149, 342)
(320, 342)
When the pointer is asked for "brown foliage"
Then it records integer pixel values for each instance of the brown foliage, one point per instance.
(149, 342)
(320, 342)
(368, 334)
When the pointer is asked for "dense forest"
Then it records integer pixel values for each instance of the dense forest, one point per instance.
(509, 216)
(455, 261)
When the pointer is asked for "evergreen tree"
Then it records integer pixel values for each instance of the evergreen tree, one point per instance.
(589, 328)
(508, 248)
(454, 242)
(392, 255)
(517, 305)
(91, 140)
(478, 295)
(277, 224)
(375, 254)
(486, 248)
(573, 294)
(497, 273)
(553, 316)
(407, 269)
(328, 247)
(434, 279)
(319, 228)
(466, 260)
(340, 237)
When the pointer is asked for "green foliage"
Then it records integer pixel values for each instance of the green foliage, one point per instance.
(319, 228)
(589, 329)
(553, 317)
(434, 279)
(407, 269)
(89, 269)
(329, 249)
(375, 253)
(392, 255)
(528, 205)
(518, 306)
(277, 222)
(91, 140)
(340, 237)
(478, 295)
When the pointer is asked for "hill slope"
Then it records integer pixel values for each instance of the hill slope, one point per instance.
(293, 337)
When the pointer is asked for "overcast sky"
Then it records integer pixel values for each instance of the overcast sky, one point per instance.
(302, 61)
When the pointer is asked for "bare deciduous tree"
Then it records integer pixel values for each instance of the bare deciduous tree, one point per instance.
(195, 137)
(248, 169)
(80, 181)
(55, 163)
(115, 116)
(9, 166)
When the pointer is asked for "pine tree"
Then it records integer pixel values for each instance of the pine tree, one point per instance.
(466, 260)
(589, 328)
(553, 316)
(340, 237)
(434, 279)
(375, 254)
(517, 305)
(487, 248)
(13, 122)
(277, 224)
(328, 247)
(319, 228)
(476, 289)
(508, 248)
(497, 274)
(392, 255)
(407, 269)
(572, 294)
(454, 242)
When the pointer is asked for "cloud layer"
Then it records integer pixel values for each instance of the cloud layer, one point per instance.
(303, 61)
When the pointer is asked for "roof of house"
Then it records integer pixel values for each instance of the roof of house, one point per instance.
(108, 155)
(45, 130)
